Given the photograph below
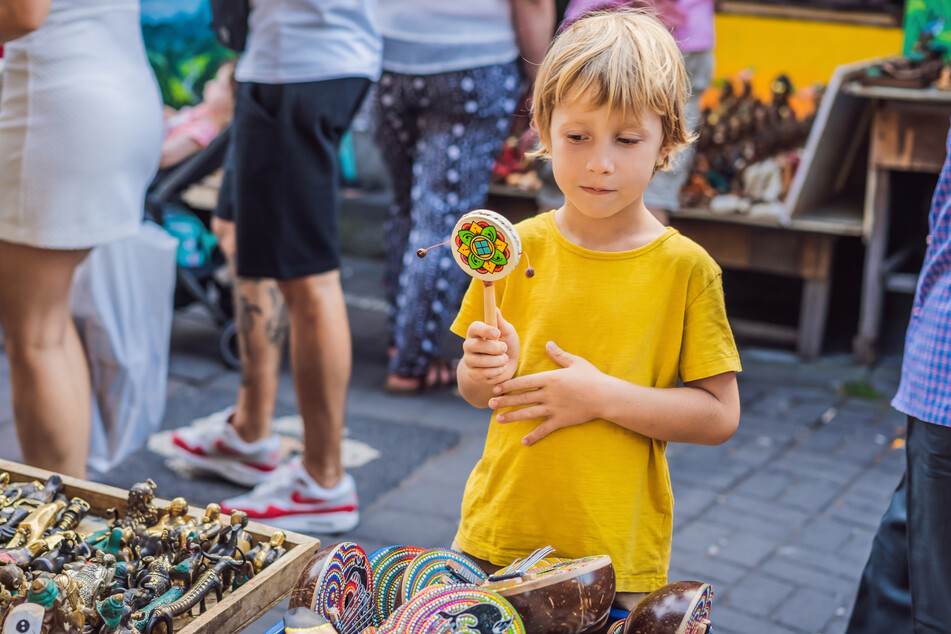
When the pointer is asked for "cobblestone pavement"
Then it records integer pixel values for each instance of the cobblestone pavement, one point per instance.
(780, 518)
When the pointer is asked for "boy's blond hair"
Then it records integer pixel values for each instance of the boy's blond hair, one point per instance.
(626, 59)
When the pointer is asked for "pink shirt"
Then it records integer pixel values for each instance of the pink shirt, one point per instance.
(690, 20)
(192, 123)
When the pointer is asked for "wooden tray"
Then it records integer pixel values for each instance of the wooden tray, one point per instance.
(237, 609)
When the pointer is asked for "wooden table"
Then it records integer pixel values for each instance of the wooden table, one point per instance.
(801, 248)
(909, 129)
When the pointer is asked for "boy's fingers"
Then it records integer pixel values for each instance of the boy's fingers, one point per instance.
(476, 345)
(482, 330)
(486, 360)
(539, 432)
(526, 413)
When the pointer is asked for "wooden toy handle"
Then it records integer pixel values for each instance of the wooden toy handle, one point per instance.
(488, 301)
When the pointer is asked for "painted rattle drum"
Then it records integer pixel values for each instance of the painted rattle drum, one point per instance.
(387, 566)
(336, 583)
(439, 566)
(455, 608)
(569, 597)
(487, 247)
(682, 607)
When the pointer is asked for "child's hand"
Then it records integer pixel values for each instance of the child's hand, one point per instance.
(564, 397)
(490, 355)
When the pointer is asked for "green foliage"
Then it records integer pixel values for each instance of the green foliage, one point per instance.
(184, 55)
(860, 389)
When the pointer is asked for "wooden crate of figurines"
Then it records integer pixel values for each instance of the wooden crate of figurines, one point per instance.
(411, 590)
(80, 557)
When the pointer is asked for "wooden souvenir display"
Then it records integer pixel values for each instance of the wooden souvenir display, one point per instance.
(569, 597)
(236, 610)
(459, 608)
(387, 566)
(682, 607)
(336, 583)
(487, 247)
(439, 566)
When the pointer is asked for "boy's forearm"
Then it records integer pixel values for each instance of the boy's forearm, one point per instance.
(683, 414)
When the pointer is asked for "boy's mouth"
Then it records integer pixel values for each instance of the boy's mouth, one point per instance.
(597, 190)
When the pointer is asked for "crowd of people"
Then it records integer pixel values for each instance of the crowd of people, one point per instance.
(613, 103)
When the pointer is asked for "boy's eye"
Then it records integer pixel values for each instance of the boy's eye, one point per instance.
(575, 137)
(626, 141)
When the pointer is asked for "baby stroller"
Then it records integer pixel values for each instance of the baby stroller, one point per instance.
(201, 273)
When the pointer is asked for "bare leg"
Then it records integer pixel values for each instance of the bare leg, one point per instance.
(320, 362)
(262, 329)
(49, 376)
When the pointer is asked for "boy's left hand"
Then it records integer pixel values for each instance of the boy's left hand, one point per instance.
(563, 397)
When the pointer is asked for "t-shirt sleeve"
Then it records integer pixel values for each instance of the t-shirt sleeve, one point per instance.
(470, 310)
(708, 346)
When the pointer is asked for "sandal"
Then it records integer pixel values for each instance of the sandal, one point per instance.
(441, 375)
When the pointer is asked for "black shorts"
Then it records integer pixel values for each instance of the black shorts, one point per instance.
(284, 174)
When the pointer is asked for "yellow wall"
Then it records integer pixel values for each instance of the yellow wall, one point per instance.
(807, 51)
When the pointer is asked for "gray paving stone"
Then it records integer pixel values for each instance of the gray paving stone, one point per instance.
(809, 610)
(769, 511)
(392, 526)
(700, 536)
(797, 574)
(693, 567)
(764, 485)
(747, 549)
(858, 547)
(758, 594)
(825, 534)
(811, 495)
(689, 501)
(732, 621)
(750, 523)
(823, 561)
(442, 499)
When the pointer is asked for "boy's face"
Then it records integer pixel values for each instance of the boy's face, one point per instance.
(603, 161)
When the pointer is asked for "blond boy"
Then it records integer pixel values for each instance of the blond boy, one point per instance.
(619, 344)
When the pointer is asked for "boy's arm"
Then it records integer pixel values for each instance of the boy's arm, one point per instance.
(705, 412)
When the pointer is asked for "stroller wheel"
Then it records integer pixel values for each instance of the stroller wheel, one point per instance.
(228, 345)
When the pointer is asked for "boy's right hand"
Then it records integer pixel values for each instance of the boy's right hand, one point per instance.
(490, 355)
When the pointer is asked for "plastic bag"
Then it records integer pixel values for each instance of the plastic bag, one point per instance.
(122, 305)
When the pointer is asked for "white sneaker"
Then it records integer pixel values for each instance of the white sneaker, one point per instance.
(212, 444)
(290, 499)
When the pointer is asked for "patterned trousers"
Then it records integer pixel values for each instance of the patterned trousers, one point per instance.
(439, 136)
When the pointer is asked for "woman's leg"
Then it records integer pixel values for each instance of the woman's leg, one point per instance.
(49, 376)
(461, 133)
(397, 135)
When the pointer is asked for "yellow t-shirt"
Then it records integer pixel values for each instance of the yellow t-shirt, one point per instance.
(650, 316)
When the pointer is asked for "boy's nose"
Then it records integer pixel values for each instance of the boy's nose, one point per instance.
(599, 161)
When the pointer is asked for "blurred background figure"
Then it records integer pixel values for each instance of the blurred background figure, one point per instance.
(194, 127)
(301, 79)
(444, 106)
(80, 132)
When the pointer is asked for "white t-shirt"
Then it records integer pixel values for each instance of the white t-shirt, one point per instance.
(423, 37)
(311, 40)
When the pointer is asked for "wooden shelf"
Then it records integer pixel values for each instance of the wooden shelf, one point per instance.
(814, 14)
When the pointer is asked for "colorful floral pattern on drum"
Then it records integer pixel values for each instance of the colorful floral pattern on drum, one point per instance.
(430, 568)
(387, 566)
(345, 589)
(486, 245)
(701, 611)
(456, 608)
(482, 247)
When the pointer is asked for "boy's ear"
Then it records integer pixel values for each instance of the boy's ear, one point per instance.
(544, 137)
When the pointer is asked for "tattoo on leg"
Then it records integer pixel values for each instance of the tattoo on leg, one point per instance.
(277, 326)
(246, 313)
